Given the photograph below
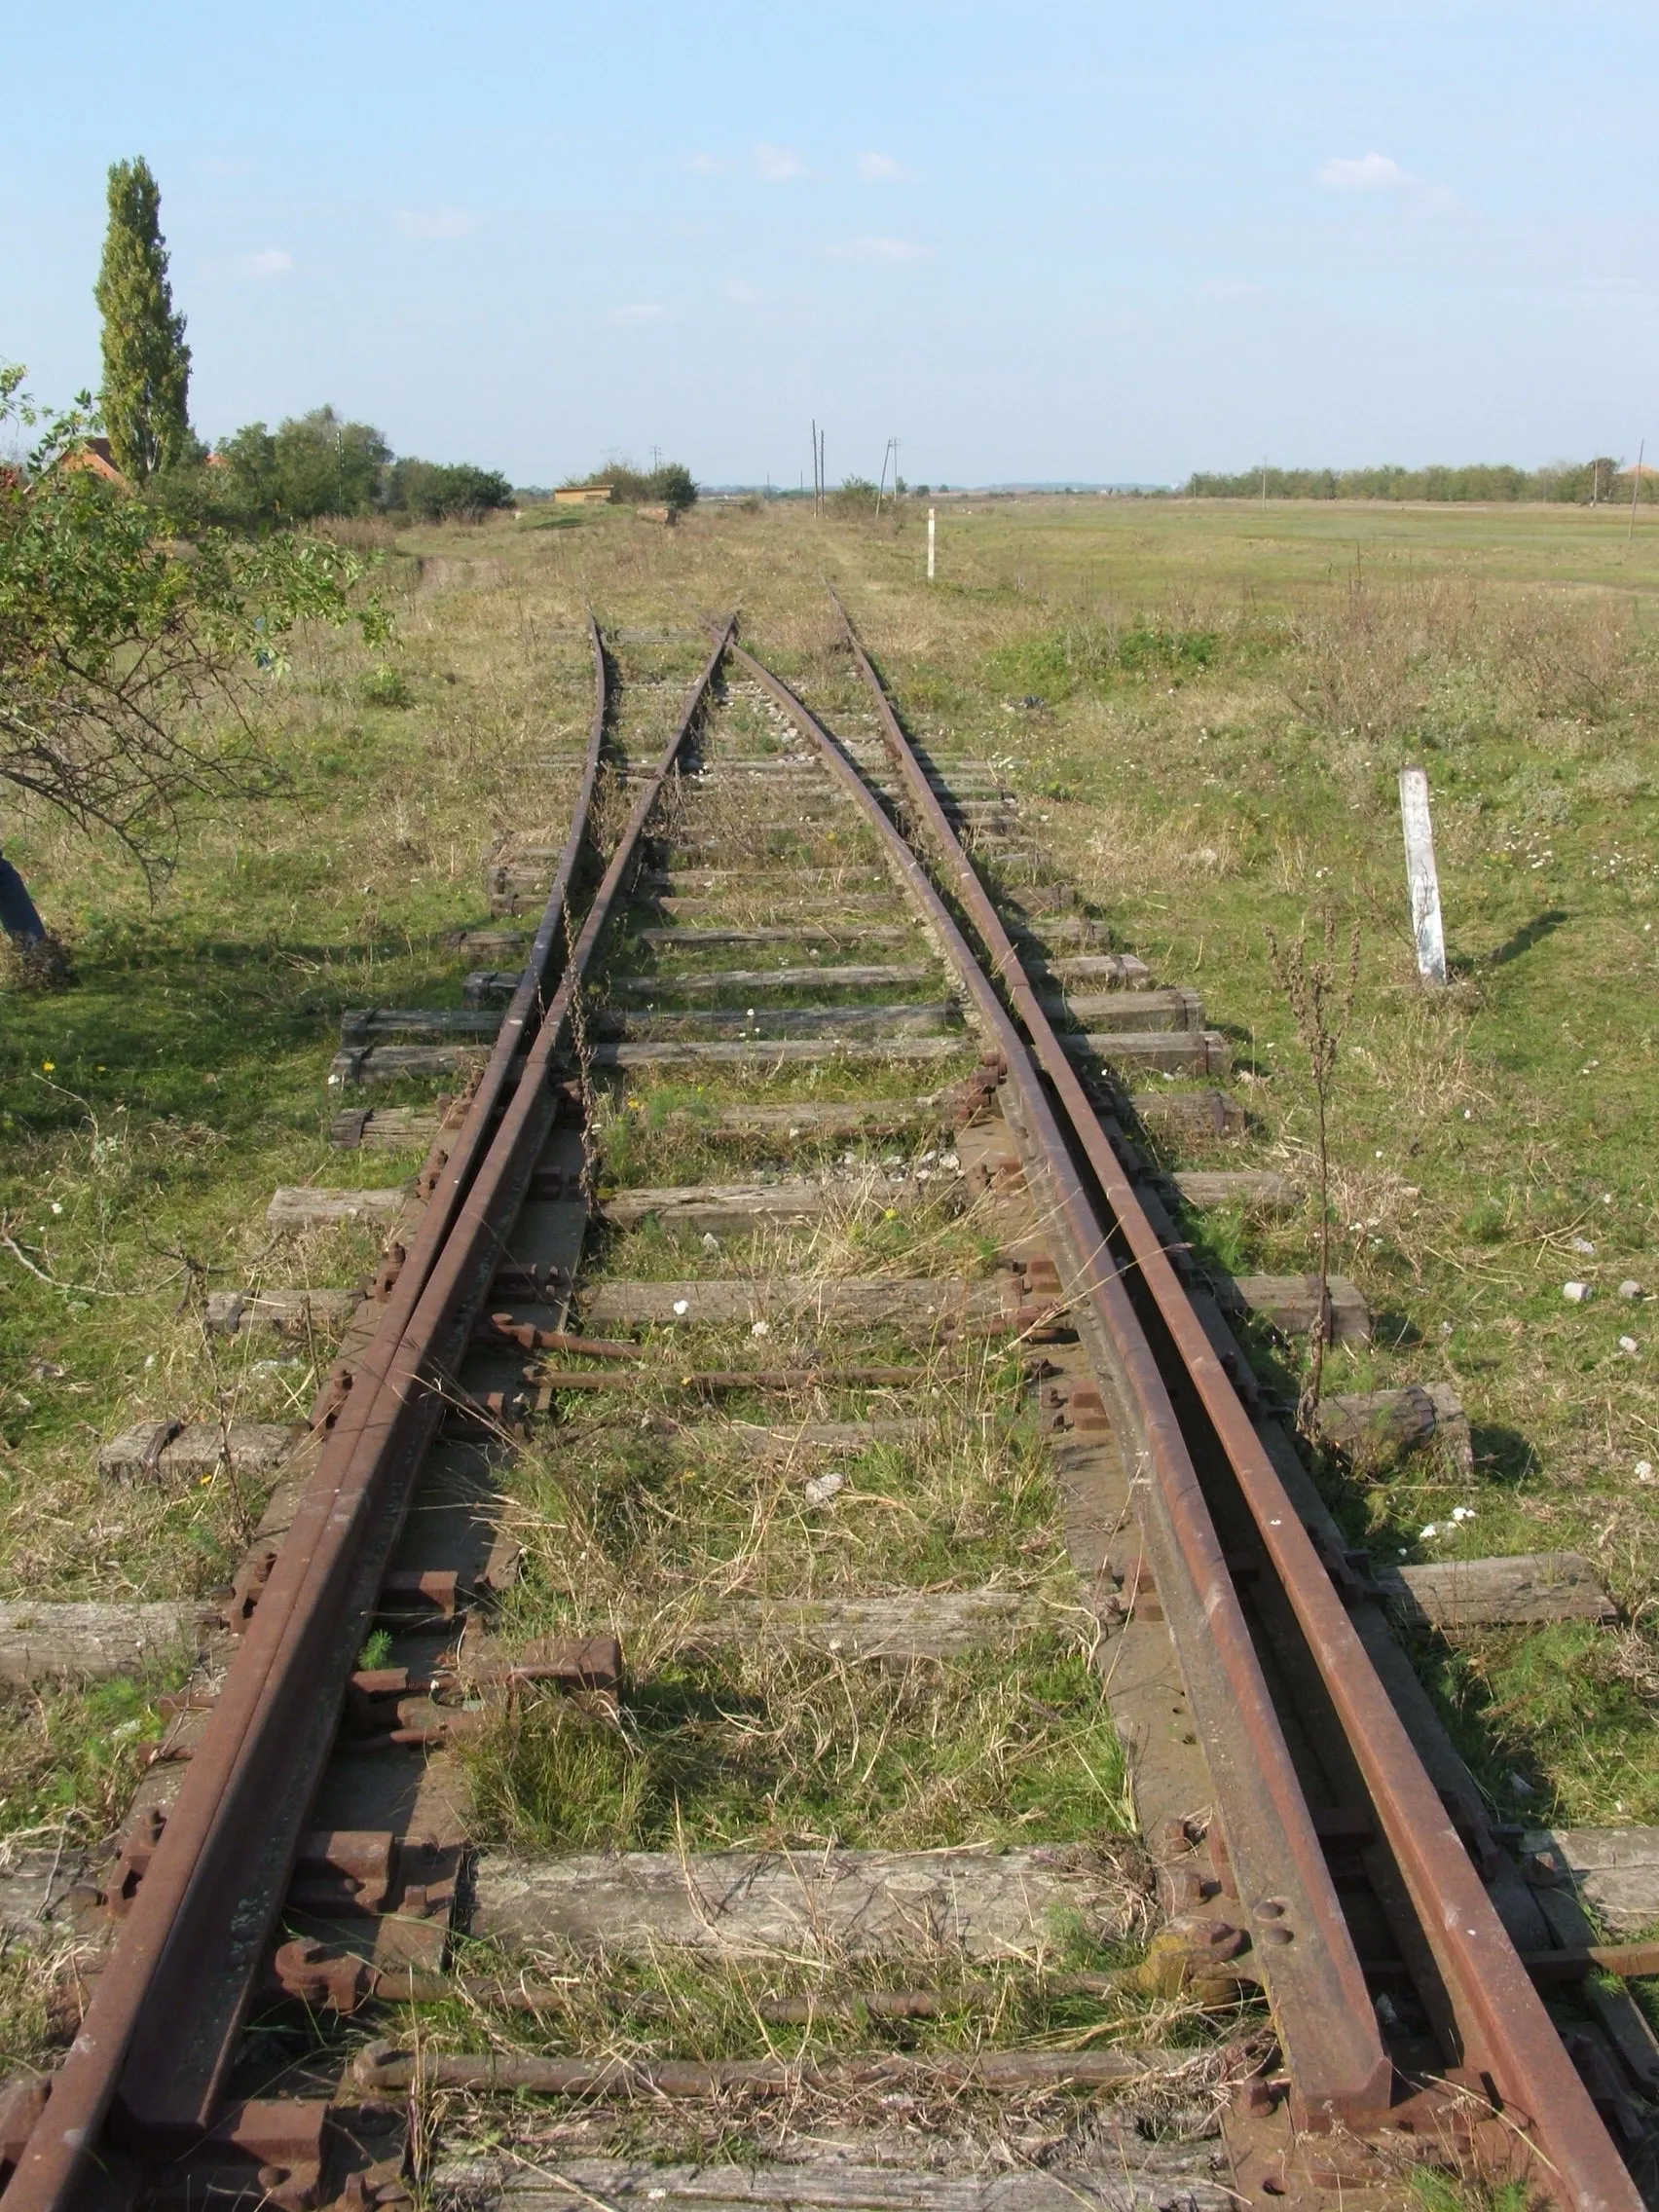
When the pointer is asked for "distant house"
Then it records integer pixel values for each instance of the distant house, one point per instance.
(94, 455)
(583, 496)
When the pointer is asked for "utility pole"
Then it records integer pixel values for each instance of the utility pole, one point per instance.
(1264, 486)
(656, 459)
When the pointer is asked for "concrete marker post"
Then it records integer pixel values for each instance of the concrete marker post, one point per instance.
(931, 527)
(1422, 876)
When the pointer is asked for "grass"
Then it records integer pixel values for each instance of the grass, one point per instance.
(610, 1507)
(1224, 698)
(669, 2004)
(658, 1134)
(71, 1760)
(778, 1750)
(868, 1230)
(693, 2006)
(1200, 797)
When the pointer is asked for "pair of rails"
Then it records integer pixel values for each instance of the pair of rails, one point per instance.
(1273, 1661)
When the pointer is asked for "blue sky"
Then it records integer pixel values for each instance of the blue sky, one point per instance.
(1038, 239)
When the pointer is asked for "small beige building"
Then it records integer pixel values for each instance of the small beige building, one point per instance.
(583, 496)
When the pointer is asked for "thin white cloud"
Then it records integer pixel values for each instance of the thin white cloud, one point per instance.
(1363, 173)
(741, 293)
(644, 310)
(776, 164)
(274, 261)
(889, 250)
(436, 222)
(882, 168)
(707, 164)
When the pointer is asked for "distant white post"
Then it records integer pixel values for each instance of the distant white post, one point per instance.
(1421, 874)
(930, 545)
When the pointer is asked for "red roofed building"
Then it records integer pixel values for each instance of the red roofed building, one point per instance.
(94, 455)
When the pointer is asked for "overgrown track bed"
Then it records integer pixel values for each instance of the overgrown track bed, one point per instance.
(791, 1585)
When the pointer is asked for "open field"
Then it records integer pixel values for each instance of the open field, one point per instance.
(1221, 699)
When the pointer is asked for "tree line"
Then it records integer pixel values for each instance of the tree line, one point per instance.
(1572, 483)
(320, 464)
(149, 584)
(310, 465)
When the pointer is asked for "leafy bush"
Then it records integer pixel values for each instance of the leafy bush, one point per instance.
(129, 656)
(314, 464)
(384, 686)
(436, 492)
(856, 496)
(671, 486)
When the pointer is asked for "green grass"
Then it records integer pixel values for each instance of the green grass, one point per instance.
(1198, 802)
(1229, 694)
(619, 1516)
(778, 1750)
(70, 1757)
(870, 1233)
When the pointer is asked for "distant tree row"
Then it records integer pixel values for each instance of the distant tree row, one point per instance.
(1571, 482)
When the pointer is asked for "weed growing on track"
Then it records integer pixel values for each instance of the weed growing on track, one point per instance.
(684, 2005)
(700, 1512)
(669, 1134)
(39, 2011)
(772, 1749)
(872, 1228)
(71, 1758)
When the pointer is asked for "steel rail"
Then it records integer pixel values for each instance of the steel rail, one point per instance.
(1498, 2010)
(145, 2073)
(1342, 2070)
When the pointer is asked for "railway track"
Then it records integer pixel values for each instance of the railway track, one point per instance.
(308, 1954)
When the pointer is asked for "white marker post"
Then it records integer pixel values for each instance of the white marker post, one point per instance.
(930, 545)
(1421, 874)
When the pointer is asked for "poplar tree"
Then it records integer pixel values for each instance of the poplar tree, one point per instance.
(146, 362)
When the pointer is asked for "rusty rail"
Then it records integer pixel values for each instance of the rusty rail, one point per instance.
(1325, 2019)
(144, 2078)
(1342, 2069)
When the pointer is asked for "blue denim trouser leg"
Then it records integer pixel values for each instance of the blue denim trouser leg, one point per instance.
(18, 916)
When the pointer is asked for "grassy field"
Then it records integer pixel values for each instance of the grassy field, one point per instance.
(1203, 707)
